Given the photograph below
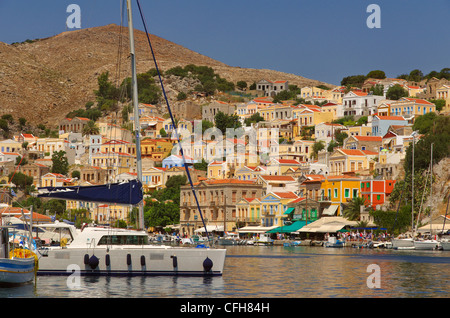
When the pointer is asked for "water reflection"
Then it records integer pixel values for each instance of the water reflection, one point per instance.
(276, 272)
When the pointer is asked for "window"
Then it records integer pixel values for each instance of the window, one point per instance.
(346, 193)
(378, 197)
(335, 193)
(355, 193)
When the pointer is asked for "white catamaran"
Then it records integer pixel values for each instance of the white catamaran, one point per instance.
(110, 251)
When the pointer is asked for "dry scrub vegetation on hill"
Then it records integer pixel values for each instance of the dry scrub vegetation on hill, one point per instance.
(44, 80)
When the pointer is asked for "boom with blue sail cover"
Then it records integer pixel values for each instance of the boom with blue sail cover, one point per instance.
(128, 192)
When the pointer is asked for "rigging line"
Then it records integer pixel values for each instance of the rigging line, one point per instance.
(172, 119)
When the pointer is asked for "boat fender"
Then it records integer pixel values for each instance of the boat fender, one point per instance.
(128, 259)
(93, 262)
(174, 261)
(107, 260)
(86, 259)
(207, 264)
(142, 260)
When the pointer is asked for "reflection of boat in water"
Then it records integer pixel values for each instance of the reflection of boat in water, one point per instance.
(111, 251)
(263, 239)
(230, 239)
(17, 266)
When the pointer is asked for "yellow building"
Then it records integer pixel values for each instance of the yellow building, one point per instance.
(443, 92)
(248, 211)
(114, 162)
(359, 131)
(153, 178)
(410, 108)
(315, 92)
(351, 160)
(273, 207)
(338, 190)
(120, 146)
(218, 170)
(311, 116)
(156, 149)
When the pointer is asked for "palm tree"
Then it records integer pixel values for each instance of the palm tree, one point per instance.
(353, 209)
(91, 129)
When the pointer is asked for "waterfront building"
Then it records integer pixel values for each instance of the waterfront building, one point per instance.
(248, 212)
(376, 192)
(217, 200)
(273, 207)
(337, 191)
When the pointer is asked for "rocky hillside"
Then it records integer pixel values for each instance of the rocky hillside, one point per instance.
(44, 80)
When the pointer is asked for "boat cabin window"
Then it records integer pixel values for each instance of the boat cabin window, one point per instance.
(123, 240)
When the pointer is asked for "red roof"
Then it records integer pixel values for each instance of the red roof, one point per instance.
(368, 138)
(286, 195)
(390, 117)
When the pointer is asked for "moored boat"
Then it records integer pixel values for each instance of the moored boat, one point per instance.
(17, 266)
(117, 252)
(426, 244)
(402, 243)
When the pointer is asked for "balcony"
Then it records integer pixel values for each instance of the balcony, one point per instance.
(323, 198)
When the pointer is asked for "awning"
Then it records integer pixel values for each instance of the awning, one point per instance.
(327, 225)
(255, 229)
(210, 228)
(290, 210)
(331, 210)
(289, 228)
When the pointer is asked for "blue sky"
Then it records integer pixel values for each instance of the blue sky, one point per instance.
(324, 40)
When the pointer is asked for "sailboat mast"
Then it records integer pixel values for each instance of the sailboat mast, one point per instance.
(431, 186)
(412, 186)
(137, 125)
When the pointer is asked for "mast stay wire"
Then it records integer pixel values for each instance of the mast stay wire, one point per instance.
(172, 119)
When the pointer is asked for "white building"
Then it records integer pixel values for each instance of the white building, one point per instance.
(360, 103)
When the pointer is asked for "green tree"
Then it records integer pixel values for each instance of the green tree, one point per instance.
(353, 80)
(440, 103)
(378, 90)
(241, 85)
(396, 92)
(352, 210)
(206, 124)
(20, 180)
(376, 74)
(90, 129)
(317, 146)
(76, 174)
(340, 136)
(415, 76)
(255, 118)
(60, 162)
(181, 96)
(224, 121)
(201, 165)
(392, 221)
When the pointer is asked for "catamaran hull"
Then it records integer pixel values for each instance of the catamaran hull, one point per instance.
(402, 244)
(140, 261)
(445, 245)
(17, 270)
(426, 245)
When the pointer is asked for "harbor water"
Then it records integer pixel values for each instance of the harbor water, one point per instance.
(274, 272)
